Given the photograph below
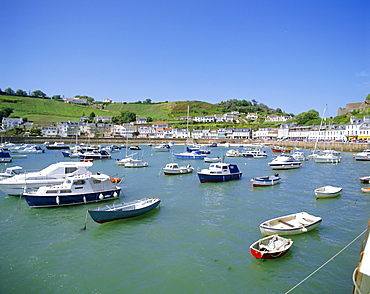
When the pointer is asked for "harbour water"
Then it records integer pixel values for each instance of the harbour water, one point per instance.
(196, 242)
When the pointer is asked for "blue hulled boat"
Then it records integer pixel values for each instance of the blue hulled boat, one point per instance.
(188, 154)
(5, 156)
(76, 189)
(95, 154)
(220, 172)
(124, 210)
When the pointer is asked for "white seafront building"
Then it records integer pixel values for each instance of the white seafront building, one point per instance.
(356, 129)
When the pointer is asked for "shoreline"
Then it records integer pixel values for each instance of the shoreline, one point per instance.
(340, 146)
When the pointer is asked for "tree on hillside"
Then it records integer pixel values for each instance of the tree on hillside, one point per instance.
(56, 97)
(89, 99)
(368, 97)
(91, 116)
(20, 92)
(9, 91)
(125, 117)
(38, 94)
(5, 112)
(304, 117)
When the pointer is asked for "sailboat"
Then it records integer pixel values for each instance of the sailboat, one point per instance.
(327, 156)
(189, 154)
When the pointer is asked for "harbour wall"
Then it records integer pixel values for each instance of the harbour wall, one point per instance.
(339, 146)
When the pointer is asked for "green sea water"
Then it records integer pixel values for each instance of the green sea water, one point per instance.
(196, 242)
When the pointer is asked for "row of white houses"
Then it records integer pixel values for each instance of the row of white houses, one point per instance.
(356, 129)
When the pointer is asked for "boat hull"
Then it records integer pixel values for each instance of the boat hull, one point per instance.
(279, 166)
(39, 201)
(293, 224)
(365, 189)
(265, 181)
(204, 178)
(327, 192)
(270, 247)
(103, 216)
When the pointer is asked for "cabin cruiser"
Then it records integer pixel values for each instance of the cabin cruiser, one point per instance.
(51, 175)
(284, 161)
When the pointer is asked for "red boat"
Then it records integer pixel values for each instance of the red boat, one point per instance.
(278, 149)
(270, 247)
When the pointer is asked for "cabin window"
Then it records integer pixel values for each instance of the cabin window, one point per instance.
(65, 191)
(52, 191)
(224, 167)
(79, 182)
(69, 170)
(95, 181)
(79, 187)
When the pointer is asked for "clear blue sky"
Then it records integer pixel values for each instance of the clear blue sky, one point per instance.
(295, 55)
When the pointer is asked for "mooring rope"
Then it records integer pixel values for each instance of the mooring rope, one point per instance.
(326, 262)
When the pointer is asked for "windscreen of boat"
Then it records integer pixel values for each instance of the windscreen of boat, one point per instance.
(233, 168)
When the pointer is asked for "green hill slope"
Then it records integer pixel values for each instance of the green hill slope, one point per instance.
(46, 110)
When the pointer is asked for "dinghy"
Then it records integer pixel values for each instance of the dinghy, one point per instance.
(270, 247)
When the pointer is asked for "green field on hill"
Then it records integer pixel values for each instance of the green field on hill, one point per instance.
(47, 110)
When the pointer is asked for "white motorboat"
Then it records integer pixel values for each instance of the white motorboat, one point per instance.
(327, 157)
(75, 189)
(327, 191)
(51, 175)
(299, 155)
(173, 168)
(284, 161)
(10, 172)
(135, 163)
(291, 224)
(234, 153)
(363, 156)
(162, 148)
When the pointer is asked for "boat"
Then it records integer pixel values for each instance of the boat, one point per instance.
(220, 172)
(284, 161)
(327, 191)
(254, 153)
(135, 147)
(76, 189)
(365, 189)
(123, 210)
(266, 181)
(365, 180)
(270, 247)
(56, 146)
(173, 168)
(327, 157)
(51, 175)
(189, 155)
(212, 159)
(234, 153)
(33, 149)
(278, 149)
(75, 151)
(363, 156)
(10, 172)
(292, 224)
(123, 161)
(135, 163)
(162, 148)
(95, 154)
(299, 155)
(5, 156)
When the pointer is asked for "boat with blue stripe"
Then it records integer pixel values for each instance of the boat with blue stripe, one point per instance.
(220, 172)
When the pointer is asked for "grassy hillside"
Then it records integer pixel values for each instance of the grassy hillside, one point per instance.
(46, 110)
(36, 109)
